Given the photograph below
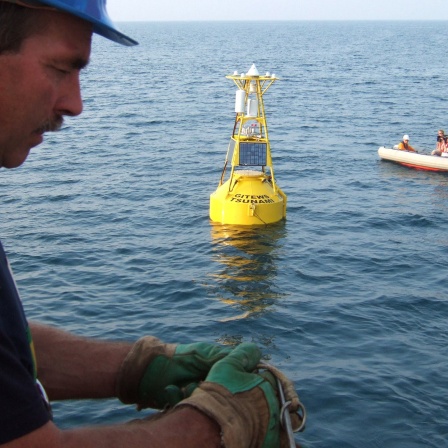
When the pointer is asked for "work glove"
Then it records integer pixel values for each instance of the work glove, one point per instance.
(158, 375)
(244, 404)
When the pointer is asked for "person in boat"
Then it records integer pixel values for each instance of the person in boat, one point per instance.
(404, 144)
(44, 45)
(441, 145)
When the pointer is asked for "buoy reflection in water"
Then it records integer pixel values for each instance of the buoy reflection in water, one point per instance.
(247, 275)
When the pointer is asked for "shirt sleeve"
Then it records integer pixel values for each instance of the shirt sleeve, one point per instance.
(22, 406)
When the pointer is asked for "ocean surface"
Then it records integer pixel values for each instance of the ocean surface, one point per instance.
(107, 228)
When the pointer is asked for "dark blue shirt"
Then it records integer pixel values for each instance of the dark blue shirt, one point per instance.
(22, 408)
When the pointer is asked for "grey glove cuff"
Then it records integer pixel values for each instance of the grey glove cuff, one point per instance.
(142, 353)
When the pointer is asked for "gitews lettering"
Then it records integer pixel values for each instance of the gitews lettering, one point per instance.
(252, 199)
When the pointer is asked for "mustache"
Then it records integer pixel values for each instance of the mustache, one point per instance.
(51, 125)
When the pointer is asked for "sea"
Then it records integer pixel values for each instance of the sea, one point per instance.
(108, 233)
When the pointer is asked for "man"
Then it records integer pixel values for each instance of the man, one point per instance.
(441, 146)
(44, 44)
(404, 144)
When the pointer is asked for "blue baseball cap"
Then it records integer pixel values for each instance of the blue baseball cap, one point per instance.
(93, 11)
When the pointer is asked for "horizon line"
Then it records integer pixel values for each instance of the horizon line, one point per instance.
(279, 20)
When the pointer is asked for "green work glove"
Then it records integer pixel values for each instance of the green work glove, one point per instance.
(159, 375)
(243, 403)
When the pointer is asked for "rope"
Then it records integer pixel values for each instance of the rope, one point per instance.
(288, 396)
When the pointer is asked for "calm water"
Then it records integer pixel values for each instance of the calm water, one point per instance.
(107, 224)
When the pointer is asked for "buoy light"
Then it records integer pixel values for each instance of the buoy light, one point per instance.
(253, 71)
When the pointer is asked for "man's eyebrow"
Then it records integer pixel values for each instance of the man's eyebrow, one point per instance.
(76, 63)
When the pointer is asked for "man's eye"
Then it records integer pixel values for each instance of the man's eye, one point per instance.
(60, 69)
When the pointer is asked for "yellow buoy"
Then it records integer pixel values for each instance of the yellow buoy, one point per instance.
(250, 196)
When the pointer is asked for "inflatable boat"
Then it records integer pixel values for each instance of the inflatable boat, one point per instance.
(414, 160)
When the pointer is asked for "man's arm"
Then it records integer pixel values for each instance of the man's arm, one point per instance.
(181, 428)
(72, 367)
(234, 405)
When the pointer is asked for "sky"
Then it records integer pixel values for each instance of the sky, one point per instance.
(189, 10)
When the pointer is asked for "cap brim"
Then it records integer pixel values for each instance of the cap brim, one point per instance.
(113, 34)
(104, 27)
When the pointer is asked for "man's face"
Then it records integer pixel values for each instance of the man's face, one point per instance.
(40, 84)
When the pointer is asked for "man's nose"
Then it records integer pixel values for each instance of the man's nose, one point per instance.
(70, 100)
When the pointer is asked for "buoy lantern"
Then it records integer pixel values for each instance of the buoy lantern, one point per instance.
(250, 196)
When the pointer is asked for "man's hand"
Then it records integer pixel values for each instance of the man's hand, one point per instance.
(159, 375)
(243, 403)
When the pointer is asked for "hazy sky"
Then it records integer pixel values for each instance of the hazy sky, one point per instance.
(147, 10)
